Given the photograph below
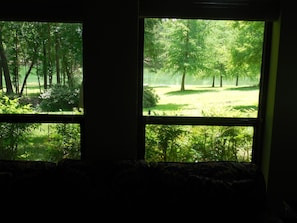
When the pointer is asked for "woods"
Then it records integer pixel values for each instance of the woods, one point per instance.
(50, 51)
(220, 49)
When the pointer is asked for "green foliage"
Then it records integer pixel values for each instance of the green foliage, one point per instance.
(217, 143)
(51, 142)
(150, 98)
(52, 51)
(153, 48)
(59, 98)
(12, 134)
(66, 142)
(163, 143)
(222, 49)
(173, 143)
(13, 106)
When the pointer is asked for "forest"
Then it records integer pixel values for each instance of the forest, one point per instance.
(52, 52)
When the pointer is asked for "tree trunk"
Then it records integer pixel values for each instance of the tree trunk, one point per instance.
(57, 47)
(182, 87)
(4, 66)
(27, 75)
(44, 65)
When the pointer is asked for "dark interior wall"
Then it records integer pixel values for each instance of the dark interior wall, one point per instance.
(282, 175)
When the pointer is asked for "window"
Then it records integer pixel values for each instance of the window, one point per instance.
(41, 114)
(203, 69)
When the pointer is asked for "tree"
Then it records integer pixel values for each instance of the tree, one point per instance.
(247, 50)
(219, 43)
(55, 47)
(204, 48)
(152, 44)
(4, 63)
(184, 45)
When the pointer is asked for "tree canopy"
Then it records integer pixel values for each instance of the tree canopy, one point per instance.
(204, 48)
(52, 51)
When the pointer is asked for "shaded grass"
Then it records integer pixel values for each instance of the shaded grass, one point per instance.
(38, 144)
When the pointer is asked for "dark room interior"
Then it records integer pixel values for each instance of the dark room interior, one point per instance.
(112, 135)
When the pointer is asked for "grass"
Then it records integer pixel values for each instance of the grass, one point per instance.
(197, 100)
(38, 143)
(41, 144)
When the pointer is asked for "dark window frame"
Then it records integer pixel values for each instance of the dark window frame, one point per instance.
(237, 10)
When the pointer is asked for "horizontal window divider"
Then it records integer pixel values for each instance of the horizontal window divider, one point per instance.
(41, 118)
(214, 121)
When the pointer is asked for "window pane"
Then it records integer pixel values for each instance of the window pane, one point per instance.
(175, 143)
(41, 69)
(195, 67)
(40, 141)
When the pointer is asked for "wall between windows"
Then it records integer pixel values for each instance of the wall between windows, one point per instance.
(110, 72)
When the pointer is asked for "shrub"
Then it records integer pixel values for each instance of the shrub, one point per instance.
(59, 98)
(150, 98)
(66, 142)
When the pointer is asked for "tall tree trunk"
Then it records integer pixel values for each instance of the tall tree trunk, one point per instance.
(4, 65)
(182, 87)
(1, 76)
(16, 65)
(57, 47)
(27, 75)
(44, 66)
(49, 55)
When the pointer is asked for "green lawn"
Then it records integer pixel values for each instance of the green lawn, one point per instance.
(227, 100)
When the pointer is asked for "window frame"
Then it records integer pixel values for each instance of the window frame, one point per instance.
(215, 12)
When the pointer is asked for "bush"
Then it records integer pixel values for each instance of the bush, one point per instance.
(59, 98)
(150, 98)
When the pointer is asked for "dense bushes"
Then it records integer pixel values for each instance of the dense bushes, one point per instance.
(59, 98)
(172, 143)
